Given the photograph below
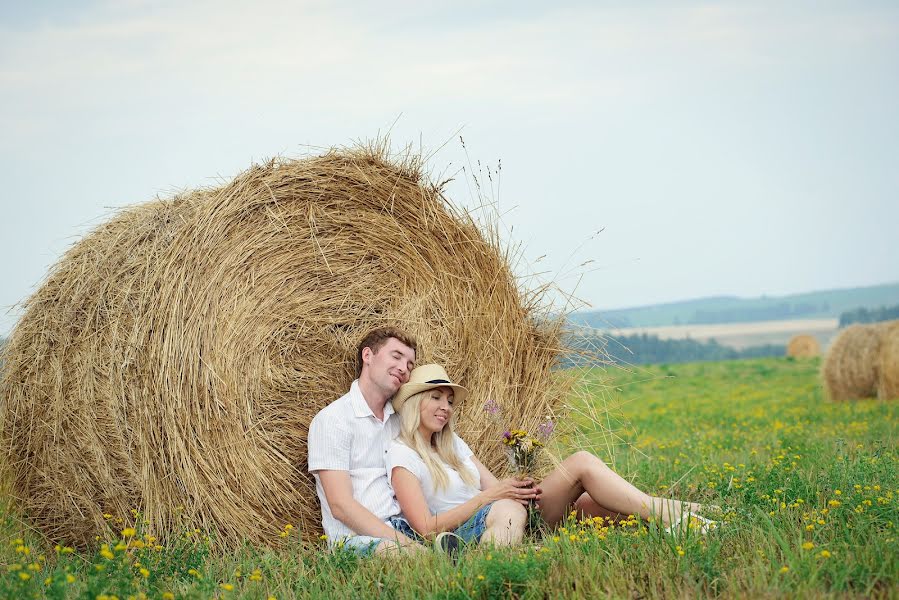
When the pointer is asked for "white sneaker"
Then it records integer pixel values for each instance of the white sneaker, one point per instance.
(690, 520)
(448, 543)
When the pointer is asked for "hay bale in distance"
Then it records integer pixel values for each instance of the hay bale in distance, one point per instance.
(175, 356)
(803, 346)
(888, 386)
(852, 366)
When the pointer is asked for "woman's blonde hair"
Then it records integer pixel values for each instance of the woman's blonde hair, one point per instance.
(441, 445)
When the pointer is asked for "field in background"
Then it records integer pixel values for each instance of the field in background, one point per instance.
(809, 490)
(742, 335)
(826, 304)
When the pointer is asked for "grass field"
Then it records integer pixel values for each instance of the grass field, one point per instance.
(809, 489)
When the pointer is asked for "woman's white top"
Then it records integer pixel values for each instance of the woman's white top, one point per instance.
(454, 494)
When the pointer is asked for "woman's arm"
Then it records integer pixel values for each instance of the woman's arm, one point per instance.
(408, 492)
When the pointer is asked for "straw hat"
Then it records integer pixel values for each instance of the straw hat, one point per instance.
(424, 378)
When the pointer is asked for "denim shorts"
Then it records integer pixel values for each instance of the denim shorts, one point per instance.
(364, 545)
(471, 530)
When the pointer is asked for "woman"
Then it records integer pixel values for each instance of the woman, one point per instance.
(441, 486)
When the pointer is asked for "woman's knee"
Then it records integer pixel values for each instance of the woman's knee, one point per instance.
(584, 459)
(507, 512)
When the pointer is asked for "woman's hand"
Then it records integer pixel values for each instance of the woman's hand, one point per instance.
(520, 490)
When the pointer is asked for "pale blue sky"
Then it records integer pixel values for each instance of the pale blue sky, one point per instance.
(740, 148)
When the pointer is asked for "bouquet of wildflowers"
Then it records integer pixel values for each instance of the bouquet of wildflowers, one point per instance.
(521, 450)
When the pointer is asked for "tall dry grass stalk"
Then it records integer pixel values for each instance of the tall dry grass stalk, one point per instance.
(175, 356)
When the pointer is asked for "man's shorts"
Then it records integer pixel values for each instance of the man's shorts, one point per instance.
(364, 545)
(471, 530)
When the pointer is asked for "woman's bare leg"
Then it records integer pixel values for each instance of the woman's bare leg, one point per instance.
(505, 523)
(610, 493)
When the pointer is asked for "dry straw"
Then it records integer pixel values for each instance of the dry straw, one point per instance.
(803, 346)
(851, 369)
(888, 388)
(175, 356)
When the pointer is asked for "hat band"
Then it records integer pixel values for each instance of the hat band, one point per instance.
(438, 381)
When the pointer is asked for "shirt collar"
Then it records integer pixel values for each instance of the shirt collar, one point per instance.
(360, 406)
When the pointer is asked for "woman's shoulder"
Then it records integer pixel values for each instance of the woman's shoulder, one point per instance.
(461, 447)
(399, 451)
(401, 455)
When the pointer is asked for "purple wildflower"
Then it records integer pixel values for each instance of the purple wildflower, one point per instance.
(545, 429)
(491, 407)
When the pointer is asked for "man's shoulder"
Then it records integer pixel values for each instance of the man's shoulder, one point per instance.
(337, 410)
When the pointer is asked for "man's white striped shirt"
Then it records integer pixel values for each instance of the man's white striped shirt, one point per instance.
(346, 436)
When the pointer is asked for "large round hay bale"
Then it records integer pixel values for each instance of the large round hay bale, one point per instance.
(888, 387)
(851, 368)
(173, 358)
(803, 346)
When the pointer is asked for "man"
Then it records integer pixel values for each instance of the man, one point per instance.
(348, 441)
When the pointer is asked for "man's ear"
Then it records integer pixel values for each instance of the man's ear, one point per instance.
(366, 355)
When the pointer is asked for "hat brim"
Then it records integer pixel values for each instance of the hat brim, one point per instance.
(410, 389)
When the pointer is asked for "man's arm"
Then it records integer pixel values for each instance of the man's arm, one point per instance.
(339, 493)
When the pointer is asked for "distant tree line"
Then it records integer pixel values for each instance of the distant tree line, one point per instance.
(775, 312)
(874, 315)
(706, 316)
(650, 349)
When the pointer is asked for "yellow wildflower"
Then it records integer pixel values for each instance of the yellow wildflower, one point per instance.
(128, 532)
(168, 596)
(824, 554)
(24, 576)
(70, 578)
(808, 545)
(144, 572)
(784, 569)
(226, 586)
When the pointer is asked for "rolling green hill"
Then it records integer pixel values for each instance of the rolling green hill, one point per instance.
(731, 309)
